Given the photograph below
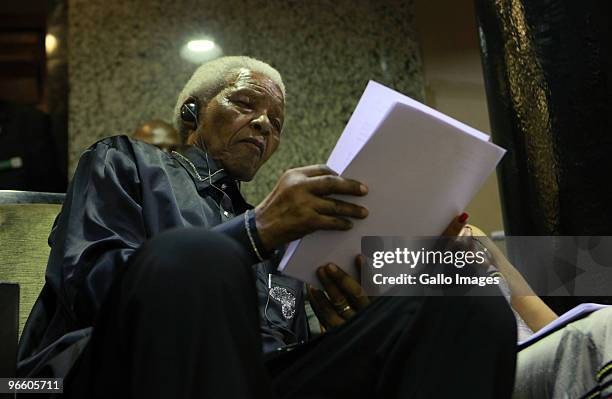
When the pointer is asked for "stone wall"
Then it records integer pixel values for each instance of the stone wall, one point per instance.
(124, 64)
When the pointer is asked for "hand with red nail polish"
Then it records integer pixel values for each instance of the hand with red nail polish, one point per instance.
(456, 225)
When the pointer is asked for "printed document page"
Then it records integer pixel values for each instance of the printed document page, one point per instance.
(421, 167)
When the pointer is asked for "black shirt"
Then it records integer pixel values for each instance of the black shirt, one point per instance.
(124, 192)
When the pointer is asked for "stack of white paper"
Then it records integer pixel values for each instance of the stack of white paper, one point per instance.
(421, 167)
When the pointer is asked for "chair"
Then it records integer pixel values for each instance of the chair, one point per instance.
(25, 222)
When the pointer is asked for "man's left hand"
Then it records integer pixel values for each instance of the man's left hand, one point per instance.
(344, 298)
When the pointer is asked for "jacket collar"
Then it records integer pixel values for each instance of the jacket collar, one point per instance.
(197, 164)
(202, 168)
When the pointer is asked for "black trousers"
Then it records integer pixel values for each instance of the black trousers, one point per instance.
(182, 322)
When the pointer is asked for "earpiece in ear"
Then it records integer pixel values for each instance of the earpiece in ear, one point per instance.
(189, 113)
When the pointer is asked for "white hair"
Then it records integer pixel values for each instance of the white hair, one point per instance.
(212, 77)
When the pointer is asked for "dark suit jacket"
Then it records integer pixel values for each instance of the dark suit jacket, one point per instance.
(124, 192)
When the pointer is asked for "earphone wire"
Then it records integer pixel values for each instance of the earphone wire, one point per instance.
(211, 183)
(197, 123)
(209, 177)
(272, 322)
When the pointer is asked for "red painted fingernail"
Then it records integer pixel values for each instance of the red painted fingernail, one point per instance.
(463, 217)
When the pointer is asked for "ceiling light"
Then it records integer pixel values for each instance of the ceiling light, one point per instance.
(200, 50)
(50, 43)
(200, 46)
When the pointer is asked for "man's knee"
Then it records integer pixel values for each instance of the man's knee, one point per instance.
(189, 259)
(495, 315)
(487, 313)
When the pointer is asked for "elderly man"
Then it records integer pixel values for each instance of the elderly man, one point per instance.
(161, 280)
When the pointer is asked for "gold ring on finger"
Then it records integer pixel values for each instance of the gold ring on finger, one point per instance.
(341, 304)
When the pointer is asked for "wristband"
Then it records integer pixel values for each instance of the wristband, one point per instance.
(251, 229)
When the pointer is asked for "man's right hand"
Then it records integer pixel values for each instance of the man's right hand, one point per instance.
(300, 204)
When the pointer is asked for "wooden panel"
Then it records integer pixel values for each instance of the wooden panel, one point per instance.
(19, 90)
(22, 65)
(23, 14)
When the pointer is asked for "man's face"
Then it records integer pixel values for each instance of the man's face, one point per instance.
(241, 125)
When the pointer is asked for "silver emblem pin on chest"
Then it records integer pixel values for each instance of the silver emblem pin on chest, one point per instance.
(286, 299)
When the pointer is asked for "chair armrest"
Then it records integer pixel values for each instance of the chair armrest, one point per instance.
(9, 322)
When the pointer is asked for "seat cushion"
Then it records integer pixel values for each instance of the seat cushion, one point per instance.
(24, 230)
